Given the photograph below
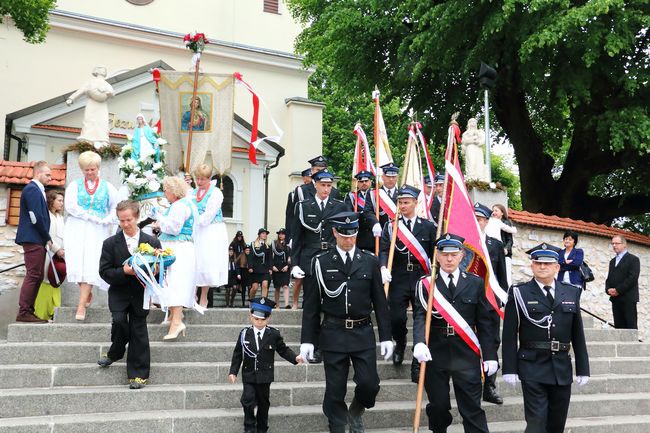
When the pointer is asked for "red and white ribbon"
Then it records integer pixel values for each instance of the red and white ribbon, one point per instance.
(449, 313)
(414, 246)
(255, 142)
(386, 204)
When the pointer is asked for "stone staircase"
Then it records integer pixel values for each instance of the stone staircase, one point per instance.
(50, 383)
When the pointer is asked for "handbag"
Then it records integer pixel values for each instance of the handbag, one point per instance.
(586, 272)
(57, 271)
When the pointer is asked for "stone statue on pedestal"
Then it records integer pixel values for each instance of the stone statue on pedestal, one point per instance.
(95, 124)
(473, 150)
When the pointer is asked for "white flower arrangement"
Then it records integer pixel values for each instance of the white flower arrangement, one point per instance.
(143, 177)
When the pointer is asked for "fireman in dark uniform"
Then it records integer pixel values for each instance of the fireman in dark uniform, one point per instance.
(389, 185)
(369, 227)
(312, 234)
(255, 349)
(439, 185)
(349, 289)
(542, 323)
(406, 270)
(497, 258)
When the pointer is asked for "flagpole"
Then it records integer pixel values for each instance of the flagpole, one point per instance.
(427, 323)
(192, 112)
(376, 137)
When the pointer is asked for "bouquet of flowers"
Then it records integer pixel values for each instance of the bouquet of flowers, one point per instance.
(143, 176)
(195, 41)
(153, 256)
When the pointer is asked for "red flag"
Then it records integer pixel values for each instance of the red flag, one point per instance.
(459, 218)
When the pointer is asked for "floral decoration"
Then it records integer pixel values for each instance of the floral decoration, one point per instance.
(142, 177)
(195, 41)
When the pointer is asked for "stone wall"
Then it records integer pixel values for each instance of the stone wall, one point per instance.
(598, 253)
(10, 253)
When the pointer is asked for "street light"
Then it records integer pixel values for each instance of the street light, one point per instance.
(487, 77)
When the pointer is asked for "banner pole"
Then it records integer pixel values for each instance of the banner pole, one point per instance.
(192, 112)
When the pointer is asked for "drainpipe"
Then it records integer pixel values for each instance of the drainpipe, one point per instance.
(21, 144)
(267, 172)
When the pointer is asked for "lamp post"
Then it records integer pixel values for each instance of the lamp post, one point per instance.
(487, 77)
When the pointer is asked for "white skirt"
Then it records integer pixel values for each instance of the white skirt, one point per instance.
(211, 243)
(83, 241)
(179, 288)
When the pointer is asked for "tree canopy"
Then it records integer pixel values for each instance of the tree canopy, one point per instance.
(571, 95)
(29, 16)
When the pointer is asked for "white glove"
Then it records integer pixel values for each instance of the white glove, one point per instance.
(376, 230)
(421, 352)
(582, 380)
(154, 212)
(490, 367)
(386, 349)
(307, 351)
(298, 273)
(385, 275)
(511, 379)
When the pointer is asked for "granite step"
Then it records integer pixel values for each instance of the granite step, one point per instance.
(100, 332)
(189, 351)
(25, 402)
(307, 418)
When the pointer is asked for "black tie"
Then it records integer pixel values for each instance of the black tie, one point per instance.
(259, 340)
(408, 224)
(348, 263)
(452, 286)
(548, 294)
(322, 206)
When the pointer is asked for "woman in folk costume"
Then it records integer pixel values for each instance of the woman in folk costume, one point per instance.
(90, 204)
(260, 262)
(211, 240)
(176, 224)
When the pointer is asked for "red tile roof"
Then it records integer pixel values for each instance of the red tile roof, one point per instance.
(21, 173)
(552, 221)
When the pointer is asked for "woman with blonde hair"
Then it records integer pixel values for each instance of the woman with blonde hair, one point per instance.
(211, 240)
(49, 297)
(90, 204)
(176, 224)
(500, 227)
(260, 262)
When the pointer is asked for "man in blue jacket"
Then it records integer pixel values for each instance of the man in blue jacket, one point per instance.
(33, 234)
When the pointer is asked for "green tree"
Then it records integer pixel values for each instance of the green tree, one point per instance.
(572, 91)
(29, 16)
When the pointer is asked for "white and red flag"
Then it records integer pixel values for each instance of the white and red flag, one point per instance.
(383, 155)
(458, 218)
(255, 141)
(362, 158)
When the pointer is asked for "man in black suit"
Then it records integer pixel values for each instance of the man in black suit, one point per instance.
(449, 356)
(369, 227)
(406, 269)
(497, 259)
(255, 349)
(542, 322)
(126, 296)
(349, 289)
(288, 211)
(312, 234)
(33, 235)
(622, 284)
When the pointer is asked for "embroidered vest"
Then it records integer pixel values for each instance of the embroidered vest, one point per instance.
(201, 205)
(186, 231)
(96, 204)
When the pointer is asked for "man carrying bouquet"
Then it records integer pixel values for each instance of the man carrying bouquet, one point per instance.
(126, 296)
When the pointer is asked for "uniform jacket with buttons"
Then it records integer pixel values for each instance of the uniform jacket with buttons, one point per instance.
(305, 243)
(451, 352)
(363, 293)
(259, 369)
(260, 259)
(540, 365)
(371, 203)
(367, 220)
(423, 230)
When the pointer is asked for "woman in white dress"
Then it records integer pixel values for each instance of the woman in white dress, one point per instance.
(211, 240)
(90, 206)
(176, 225)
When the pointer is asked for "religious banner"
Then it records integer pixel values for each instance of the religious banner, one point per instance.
(211, 125)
